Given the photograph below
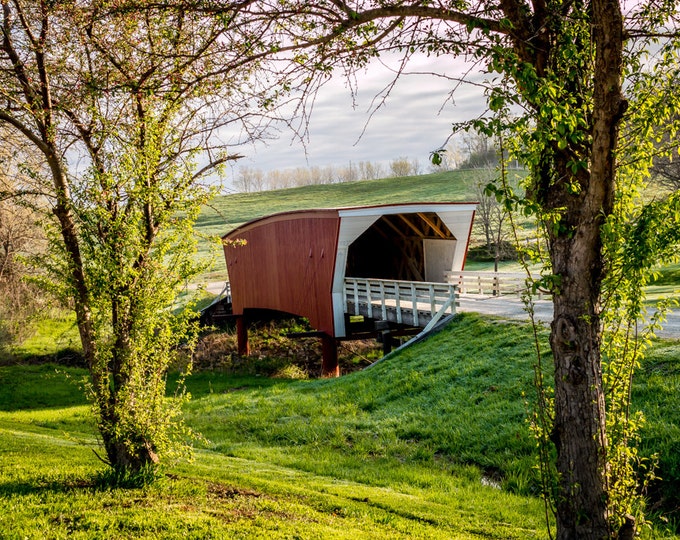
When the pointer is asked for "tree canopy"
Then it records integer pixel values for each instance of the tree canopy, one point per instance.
(129, 106)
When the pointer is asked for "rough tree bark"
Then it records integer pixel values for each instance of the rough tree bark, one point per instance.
(576, 256)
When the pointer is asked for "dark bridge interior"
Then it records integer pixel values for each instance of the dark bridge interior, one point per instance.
(394, 247)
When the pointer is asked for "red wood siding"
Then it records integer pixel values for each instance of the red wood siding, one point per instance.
(287, 265)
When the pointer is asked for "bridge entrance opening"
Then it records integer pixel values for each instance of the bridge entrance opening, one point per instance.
(406, 247)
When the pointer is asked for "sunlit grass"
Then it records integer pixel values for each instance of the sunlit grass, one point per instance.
(53, 332)
(229, 211)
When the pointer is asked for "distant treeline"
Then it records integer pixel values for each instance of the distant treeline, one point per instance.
(470, 152)
(250, 179)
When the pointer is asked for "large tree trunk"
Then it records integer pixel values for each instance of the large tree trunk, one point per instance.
(576, 253)
(579, 433)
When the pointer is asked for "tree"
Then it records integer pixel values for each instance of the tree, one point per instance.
(249, 179)
(126, 103)
(667, 167)
(561, 66)
(491, 217)
(480, 151)
(400, 167)
(669, 172)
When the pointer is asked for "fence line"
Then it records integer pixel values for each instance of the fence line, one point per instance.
(490, 283)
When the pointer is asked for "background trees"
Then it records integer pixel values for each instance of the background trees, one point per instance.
(20, 237)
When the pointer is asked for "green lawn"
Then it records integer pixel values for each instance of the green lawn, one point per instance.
(432, 443)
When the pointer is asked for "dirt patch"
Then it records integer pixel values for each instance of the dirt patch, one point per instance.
(273, 354)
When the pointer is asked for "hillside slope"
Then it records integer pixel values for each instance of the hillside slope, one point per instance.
(228, 211)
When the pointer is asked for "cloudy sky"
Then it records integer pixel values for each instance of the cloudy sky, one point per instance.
(415, 118)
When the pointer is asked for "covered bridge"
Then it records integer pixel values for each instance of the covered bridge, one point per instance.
(322, 264)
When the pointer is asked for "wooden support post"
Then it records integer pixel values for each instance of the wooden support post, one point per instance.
(242, 336)
(329, 360)
(386, 342)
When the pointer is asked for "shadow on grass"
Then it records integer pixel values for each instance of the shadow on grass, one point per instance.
(36, 386)
(41, 486)
(205, 383)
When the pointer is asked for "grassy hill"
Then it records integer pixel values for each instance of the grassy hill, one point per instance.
(228, 211)
(432, 443)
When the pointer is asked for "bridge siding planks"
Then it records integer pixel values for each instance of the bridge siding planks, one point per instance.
(286, 265)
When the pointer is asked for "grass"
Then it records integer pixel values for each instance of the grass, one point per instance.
(399, 411)
(219, 497)
(307, 459)
(432, 443)
(666, 284)
(54, 335)
(227, 212)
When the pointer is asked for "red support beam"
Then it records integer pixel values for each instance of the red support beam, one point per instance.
(329, 360)
(242, 336)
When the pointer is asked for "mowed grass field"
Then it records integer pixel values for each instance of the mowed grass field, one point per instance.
(432, 443)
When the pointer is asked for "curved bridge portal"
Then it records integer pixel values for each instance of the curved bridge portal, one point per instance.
(303, 262)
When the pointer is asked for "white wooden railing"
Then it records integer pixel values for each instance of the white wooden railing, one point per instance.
(489, 283)
(405, 302)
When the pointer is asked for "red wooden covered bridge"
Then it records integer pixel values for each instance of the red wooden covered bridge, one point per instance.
(381, 263)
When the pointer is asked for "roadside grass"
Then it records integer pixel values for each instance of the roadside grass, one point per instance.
(666, 284)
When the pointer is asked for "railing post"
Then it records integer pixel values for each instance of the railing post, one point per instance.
(356, 297)
(369, 299)
(397, 297)
(383, 307)
(433, 305)
(414, 302)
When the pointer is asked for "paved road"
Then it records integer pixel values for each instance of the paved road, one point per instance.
(513, 308)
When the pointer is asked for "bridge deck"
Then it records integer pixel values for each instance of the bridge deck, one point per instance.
(413, 303)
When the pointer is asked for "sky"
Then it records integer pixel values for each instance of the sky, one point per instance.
(415, 118)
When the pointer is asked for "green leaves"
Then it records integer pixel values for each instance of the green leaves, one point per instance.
(436, 156)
